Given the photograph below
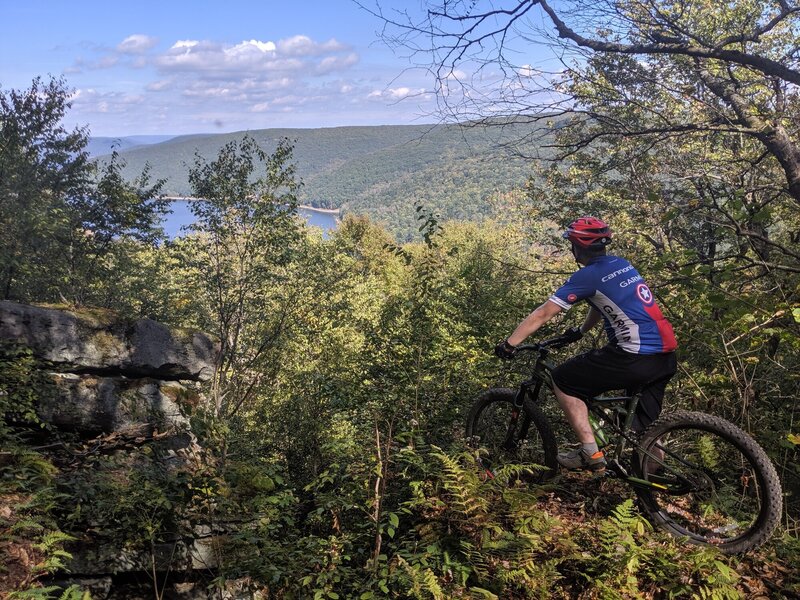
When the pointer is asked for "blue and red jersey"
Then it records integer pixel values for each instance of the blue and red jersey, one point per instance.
(632, 319)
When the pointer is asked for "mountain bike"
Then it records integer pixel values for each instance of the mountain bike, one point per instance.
(696, 475)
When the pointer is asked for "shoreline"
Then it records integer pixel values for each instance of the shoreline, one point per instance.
(330, 211)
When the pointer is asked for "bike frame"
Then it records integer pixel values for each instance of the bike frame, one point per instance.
(601, 407)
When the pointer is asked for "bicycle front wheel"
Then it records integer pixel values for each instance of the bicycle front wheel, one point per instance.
(503, 435)
(712, 483)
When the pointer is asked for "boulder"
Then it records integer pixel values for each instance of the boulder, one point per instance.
(93, 405)
(97, 341)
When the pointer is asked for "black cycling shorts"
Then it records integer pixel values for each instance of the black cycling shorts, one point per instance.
(610, 368)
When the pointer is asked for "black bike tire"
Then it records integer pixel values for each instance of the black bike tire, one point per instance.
(533, 412)
(770, 511)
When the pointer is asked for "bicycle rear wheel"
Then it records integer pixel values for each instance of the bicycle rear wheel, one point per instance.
(719, 486)
(503, 435)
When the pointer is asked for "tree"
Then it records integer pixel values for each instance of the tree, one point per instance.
(732, 68)
(60, 214)
(246, 230)
(40, 164)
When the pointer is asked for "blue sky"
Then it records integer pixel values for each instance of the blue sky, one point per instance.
(178, 67)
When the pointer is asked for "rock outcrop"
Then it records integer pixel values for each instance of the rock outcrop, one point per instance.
(110, 374)
(96, 341)
(122, 390)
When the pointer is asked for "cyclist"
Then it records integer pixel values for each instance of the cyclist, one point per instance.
(641, 349)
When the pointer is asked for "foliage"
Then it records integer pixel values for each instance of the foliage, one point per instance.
(58, 212)
(331, 462)
(375, 171)
(246, 228)
(32, 540)
(22, 383)
(677, 119)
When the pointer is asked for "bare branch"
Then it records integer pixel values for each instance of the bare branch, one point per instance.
(759, 63)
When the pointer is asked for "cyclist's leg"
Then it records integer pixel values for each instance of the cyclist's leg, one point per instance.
(651, 396)
(575, 381)
(610, 368)
(577, 414)
(588, 456)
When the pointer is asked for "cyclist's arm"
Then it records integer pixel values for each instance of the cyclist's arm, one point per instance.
(534, 321)
(593, 317)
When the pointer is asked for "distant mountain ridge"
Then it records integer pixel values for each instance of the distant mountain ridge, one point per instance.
(99, 146)
(375, 170)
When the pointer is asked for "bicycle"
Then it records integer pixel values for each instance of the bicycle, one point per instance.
(696, 475)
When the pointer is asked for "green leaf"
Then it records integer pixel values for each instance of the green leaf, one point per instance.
(394, 520)
(483, 593)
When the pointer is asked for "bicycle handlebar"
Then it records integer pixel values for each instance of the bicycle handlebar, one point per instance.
(556, 342)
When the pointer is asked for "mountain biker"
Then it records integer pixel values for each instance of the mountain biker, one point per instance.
(640, 353)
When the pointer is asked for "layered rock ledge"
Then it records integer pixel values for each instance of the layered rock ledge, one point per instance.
(122, 390)
(98, 342)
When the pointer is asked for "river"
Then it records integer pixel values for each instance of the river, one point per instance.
(181, 216)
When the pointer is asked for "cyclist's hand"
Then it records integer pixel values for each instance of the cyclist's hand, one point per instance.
(505, 350)
(573, 334)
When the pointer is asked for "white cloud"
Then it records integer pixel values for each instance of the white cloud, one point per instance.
(157, 86)
(251, 83)
(213, 59)
(90, 100)
(137, 43)
(528, 71)
(253, 57)
(301, 45)
(336, 63)
(399, 93)
(184, 44)
(251, 46)
(456, 75)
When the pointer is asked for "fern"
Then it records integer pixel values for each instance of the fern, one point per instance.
(52, 592)
(52, 539)
(463, 488)
(620, 562)
(26, 525)
(725, 592)
(477, 592)
(422, 580)
(718, 579)
(37, 593)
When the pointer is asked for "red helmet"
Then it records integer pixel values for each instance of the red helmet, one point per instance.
(588, 232)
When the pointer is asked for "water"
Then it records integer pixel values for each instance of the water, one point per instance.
(182, 216)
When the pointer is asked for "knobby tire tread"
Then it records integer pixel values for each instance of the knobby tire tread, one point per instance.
(539, 421)
(771, 507)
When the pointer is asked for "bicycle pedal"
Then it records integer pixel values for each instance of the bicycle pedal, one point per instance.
(615, 469)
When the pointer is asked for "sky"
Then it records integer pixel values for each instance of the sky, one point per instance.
(172, 67)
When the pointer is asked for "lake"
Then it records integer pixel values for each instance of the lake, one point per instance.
(182, 216)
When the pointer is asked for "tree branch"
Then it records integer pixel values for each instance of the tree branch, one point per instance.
(759, 63)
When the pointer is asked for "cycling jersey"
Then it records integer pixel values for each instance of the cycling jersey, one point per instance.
(632, 319)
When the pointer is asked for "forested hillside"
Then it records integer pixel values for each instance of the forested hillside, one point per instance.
(99, 146)
(376, 171)
(331, 458)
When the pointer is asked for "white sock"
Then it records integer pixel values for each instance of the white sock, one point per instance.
(591, 448)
